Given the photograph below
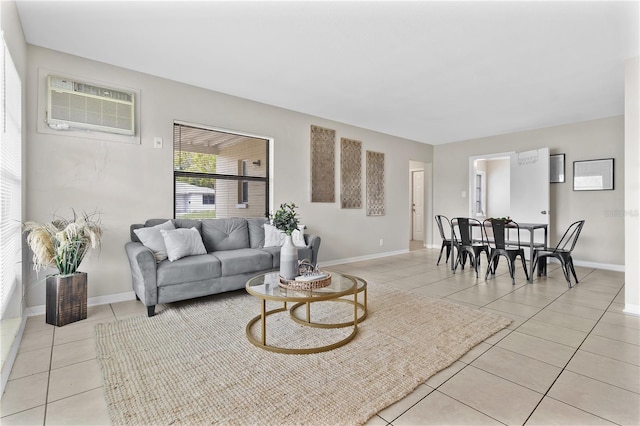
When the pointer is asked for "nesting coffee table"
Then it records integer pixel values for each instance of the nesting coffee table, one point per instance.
(343, 288)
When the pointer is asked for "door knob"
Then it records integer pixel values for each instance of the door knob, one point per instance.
(543, 212)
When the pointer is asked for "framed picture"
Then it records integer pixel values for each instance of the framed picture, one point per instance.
(593, 175)
(556, 168)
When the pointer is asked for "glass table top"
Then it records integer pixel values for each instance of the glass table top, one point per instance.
(265, 286)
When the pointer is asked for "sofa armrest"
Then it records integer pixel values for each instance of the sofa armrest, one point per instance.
(313, 242)
(143, 272)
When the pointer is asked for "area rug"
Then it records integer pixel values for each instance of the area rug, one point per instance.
(192, 363)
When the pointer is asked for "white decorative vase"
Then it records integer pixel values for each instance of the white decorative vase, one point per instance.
(288, 259)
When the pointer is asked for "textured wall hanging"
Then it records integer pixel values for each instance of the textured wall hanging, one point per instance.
(350, 174)
(375, 183)
(323, 143)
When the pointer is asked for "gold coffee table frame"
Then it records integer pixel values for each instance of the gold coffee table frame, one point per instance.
(265, 287)
(361, 287)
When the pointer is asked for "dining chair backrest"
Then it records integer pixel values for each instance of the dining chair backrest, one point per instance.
(570, 237)
(462, 229)
(439, 219)
(501, 229)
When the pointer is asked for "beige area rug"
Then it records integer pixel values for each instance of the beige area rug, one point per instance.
(192, 363)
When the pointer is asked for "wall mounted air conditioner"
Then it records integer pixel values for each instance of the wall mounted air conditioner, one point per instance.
(76, 105)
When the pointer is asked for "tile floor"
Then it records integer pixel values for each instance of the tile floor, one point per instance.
(570, 357)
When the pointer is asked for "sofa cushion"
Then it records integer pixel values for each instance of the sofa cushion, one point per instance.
(225, 234)
(242, 261)
(256, 231)
(187, 269)
(151, 237)
(297, 236)
(273, 237)
(182, 242)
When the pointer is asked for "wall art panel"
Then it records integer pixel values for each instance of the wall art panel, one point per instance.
(375, 183)
(323, 165)
(350, 174)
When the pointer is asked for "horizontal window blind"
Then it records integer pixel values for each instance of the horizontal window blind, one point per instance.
(219, 174)
(10, 180)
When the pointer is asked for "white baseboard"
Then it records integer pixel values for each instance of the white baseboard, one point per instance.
(92, 301)
(7, 366)
(631, 309)
(595, 265)
(361, 258)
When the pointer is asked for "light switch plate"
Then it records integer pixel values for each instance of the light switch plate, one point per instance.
(157, 142)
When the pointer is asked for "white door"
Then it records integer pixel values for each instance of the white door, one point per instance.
(417, 205)
(530, 188)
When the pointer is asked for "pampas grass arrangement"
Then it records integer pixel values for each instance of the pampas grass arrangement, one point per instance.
(63, 243)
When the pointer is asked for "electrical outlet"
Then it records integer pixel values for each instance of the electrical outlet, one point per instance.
(381, 242)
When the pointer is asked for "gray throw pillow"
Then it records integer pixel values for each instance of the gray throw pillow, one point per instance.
(152, 238)
(182, 242)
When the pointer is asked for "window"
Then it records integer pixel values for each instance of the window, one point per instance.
(10, 184)
(212, 176)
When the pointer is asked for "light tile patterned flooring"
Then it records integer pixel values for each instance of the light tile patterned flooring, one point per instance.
(569, 357)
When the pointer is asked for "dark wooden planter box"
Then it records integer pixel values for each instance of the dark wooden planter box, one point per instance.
(66, 298)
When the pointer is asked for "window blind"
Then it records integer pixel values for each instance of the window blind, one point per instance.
(10, 180)
(219, 173)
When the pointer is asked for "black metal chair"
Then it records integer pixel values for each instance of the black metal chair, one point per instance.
(502, 246)
(562, 252)
(465, 244)
(446, 242)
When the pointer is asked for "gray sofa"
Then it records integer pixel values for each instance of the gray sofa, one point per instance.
(235, 252)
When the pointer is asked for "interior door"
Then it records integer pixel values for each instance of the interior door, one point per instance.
(530, 187)
(417, 207)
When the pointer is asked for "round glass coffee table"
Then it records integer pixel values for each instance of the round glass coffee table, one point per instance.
(266, 288)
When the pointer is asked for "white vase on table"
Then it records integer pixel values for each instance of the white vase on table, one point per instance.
(288, 259)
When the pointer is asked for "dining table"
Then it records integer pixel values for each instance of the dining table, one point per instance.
(532, 244)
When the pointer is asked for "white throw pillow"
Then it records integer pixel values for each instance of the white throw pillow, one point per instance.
(152, 238)
(273, 237)
(183, 242)
(298, 236)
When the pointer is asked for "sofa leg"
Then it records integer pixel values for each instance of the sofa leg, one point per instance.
(137, 298)
(151, 310)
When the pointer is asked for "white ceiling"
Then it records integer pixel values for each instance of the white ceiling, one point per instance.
(434, 72)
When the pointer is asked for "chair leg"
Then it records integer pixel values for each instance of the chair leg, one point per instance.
(573, 270)
(476, 261)
(565, 271)
(440, 256)
(494, 264)
(524, 266)
(489, 262)
(536, 264)
(512, 271)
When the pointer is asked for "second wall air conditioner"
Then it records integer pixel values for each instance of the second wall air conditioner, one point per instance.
(76, 105)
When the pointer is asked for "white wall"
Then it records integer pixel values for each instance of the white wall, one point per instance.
(128, 183)
(602, 239)
(632, 187)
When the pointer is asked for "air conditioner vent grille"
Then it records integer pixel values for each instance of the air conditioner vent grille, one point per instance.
(79, 105)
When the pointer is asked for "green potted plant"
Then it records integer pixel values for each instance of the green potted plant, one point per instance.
(62, 244)
(286, 220)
